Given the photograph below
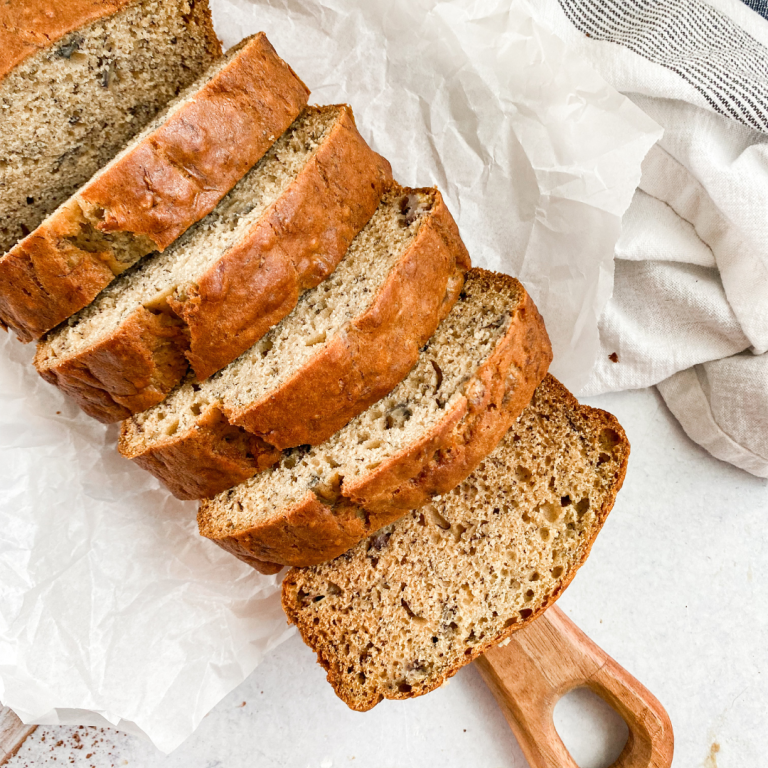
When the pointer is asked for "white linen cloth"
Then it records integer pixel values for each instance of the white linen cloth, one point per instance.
(690, 306)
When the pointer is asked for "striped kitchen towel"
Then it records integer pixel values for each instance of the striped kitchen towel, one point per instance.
(690, 306)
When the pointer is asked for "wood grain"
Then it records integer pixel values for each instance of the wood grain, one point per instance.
(547, 659)
(12, 733)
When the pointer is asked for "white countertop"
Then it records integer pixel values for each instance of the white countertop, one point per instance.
(674, 590)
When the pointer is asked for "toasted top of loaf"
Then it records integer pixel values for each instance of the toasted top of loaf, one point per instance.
(77, 80)
(406, 608)
(471, 381)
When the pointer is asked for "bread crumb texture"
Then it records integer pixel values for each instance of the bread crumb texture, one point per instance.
(66, 110)
(406, 608)
(438, 381)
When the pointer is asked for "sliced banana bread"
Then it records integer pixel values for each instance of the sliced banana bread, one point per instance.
(220, 287)
(347, 343)
(471, 382)
(408, 607)
(78, 78)
(165, 180)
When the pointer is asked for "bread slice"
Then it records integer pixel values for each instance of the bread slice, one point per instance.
(347, 343)
(408, 607)
(165, 180)
(471, 382)
(221, 286)
(79, 78)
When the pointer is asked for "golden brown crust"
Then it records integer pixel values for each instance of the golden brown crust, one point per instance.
(383, 344)
(299, 242)
(375, 352)
(153, 193)
(44, 278)
(217, 449)
(552, 390)
(268, 569)
(296, 243)
(190, 162)
(311, 532)
(306, 522)
(109, 391)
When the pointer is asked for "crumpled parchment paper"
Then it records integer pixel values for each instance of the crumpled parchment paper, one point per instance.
(112, 609)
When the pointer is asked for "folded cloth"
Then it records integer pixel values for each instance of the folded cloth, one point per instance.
(689, 311)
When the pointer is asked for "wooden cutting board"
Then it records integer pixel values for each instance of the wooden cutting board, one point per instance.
(552, 656)
(12, 733)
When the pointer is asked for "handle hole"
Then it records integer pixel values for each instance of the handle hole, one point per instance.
(591, 729)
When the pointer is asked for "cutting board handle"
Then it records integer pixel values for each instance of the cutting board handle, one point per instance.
(552, 656)
(12, 733)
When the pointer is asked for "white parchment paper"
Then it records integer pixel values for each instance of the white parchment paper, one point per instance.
(112, 609)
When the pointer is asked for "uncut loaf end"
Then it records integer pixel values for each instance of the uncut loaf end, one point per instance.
(79, 78)
(471, 381)
(166, 179)
(408, 607)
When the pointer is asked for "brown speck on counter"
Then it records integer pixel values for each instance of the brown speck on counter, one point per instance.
(613, 357)
(66, 745)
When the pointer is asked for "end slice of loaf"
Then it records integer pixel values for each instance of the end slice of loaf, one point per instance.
(347, 343)
(164, 181)
(471, 382)
(408, 607)
(219, 288)
(78, 79)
